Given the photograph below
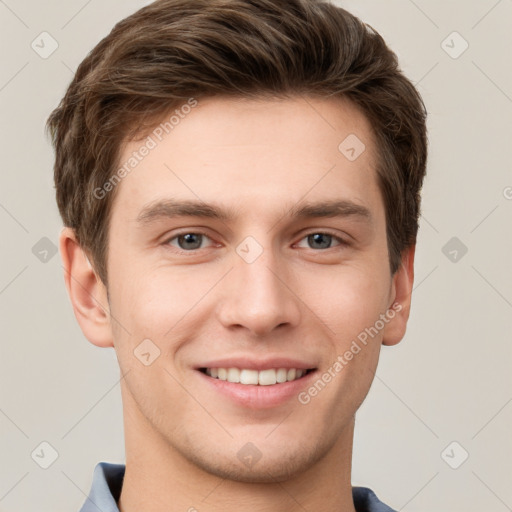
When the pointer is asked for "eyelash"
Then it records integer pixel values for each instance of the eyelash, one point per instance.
(341, 241)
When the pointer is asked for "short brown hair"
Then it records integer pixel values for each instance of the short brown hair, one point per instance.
(172, 50)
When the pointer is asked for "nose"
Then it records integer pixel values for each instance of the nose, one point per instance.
(257, 297)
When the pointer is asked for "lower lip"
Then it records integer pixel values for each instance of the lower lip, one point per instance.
(259, 397)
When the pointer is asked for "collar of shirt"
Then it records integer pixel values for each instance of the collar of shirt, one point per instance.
(108, 480)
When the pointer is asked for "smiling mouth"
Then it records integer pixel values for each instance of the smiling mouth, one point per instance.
(268, 377)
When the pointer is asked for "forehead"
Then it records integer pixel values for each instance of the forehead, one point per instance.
(253, 155)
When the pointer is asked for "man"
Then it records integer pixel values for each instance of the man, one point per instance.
(240, 186)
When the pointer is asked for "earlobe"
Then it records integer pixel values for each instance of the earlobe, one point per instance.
(399, 309)
(86, 291)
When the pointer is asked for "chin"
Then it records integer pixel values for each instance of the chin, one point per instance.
(270, 466)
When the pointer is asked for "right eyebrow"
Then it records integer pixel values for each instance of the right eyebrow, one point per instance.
(171, 208)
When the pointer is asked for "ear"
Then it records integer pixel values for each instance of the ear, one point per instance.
(86, 291)
(400, 305)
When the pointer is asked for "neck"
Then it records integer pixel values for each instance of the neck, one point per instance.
(158, 478)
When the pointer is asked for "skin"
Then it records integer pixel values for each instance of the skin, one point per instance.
(298, 299)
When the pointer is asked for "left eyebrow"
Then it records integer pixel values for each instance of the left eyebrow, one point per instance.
(341, 208)
(172, 208)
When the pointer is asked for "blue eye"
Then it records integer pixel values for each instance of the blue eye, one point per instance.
(188, 241)
(322, 240)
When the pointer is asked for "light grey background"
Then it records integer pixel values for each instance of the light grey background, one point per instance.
(448, 380)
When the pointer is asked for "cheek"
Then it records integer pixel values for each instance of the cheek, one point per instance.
(359, 330)
(349, 299)
(161, 304)
(353, 306)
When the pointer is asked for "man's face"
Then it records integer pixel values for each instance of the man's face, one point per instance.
(258, 289)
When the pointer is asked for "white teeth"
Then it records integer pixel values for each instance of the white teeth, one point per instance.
(249, 377)
(281, 375)
(233, 375)
(263, 378)
(267, 377)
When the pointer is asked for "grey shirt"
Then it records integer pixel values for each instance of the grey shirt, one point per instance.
(108, 480)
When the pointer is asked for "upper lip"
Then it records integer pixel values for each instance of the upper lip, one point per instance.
(251, 363)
